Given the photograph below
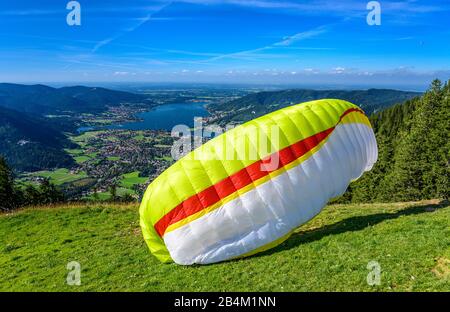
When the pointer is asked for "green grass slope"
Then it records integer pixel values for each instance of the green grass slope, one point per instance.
(410, 241)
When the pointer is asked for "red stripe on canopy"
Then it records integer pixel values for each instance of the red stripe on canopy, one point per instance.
(241, 179)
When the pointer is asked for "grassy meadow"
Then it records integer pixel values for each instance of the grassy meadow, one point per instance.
(410, 241)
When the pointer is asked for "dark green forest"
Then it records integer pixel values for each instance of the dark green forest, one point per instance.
(13, 196)
(31, 143)
(413, 151)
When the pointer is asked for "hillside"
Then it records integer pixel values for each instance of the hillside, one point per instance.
(41, 100)
(258, 104)
(414, 151)
(32, 143)
(100, 98)
(410, 241)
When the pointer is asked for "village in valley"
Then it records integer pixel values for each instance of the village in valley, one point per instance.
(118, 164)
(111, 163)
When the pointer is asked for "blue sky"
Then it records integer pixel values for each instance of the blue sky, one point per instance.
(226, 41)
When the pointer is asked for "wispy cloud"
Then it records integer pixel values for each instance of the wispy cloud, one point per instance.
(286, 42)
(90, 9)
(348, 7)
(322, 7)
(140, 22)
(302, 36)
(104, 42)
(30, 12)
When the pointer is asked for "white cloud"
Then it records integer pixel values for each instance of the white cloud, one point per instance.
(286, 42)
(302, 36)
(140, 22)
(325, 5)
(338, 70)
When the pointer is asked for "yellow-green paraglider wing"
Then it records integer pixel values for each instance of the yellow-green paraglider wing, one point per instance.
(223, 201)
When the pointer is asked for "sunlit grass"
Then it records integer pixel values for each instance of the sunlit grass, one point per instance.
(410, 241)
(132, 178)
(60, 176)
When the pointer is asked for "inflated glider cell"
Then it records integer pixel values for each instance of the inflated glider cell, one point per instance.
(232, 198)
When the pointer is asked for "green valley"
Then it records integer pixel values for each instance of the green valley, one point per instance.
(110, 158)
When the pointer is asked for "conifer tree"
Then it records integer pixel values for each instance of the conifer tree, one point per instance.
(410, 178)
(7, 192)
(441, 152)
(414, 151)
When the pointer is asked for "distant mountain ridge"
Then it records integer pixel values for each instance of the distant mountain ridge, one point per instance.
(261, 103)
(41, 99)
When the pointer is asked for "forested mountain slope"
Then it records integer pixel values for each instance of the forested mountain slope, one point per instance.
(414, 151)
(31, 143)
(41, 100)
(261, 103)
(100, 98)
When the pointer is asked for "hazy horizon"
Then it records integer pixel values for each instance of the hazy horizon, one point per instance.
(133, 86)
(263, 42)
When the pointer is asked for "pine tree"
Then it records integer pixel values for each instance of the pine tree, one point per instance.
(441, 152)
(113, 192)
(32, 197)
(409, 179)
(370, 187)
(433, 140)
(414, 150)
(49, 194)
(95, 194)
(7, 191)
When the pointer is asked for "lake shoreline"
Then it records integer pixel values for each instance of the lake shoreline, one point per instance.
(159, 117)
